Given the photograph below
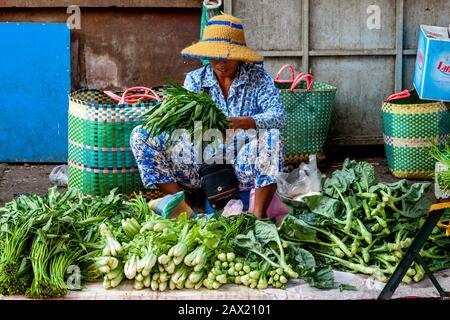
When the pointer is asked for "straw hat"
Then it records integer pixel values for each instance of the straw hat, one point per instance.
(223, 39)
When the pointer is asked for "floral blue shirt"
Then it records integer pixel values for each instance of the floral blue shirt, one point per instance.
(257, 163)
(252, 94)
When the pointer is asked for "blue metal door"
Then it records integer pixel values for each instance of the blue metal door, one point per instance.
(34, 84)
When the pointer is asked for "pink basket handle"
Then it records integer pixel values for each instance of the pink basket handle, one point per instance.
(135, 98)
(309, 78)
(277, 78)
(130, 99)
(112, 95)
(399, 95)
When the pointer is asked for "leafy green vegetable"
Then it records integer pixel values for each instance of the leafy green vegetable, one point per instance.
(41, 236)
(323, 205)
(322, 278)
(303, 260)
(347, 287)
(180, 109)
(362, 225)
(296, 230)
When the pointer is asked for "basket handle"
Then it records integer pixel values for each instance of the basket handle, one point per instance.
(211, 5)
(399, 95)
(277, 78)
(130, 99)
(309, 78)
(135, 98)
(112, 95)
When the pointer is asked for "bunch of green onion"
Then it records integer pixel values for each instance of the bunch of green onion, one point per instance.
(442, 154)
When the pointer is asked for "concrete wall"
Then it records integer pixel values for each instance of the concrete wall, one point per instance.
(120, 43)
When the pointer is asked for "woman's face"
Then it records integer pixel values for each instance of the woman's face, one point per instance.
(225, 69)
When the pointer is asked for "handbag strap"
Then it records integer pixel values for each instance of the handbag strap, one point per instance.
(133, 98)
(291, 68)
(399, 95)
(309, 78)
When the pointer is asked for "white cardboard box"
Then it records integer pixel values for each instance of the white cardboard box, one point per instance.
(432, 72)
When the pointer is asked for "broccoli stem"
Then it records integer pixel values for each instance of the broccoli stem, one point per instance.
(399, 236)
(364, 232)
(366, 209)
(390, 200)
(350, 265)
(388, 247)
(390, 269)
(349, 210)
(347, 234)
(365, 254)
(379, 210)
(334, 239)
(365, 196)
(388, 257)
(420, 272)
(282, 264)
(313, 242)
(430, 253)
(354, 246)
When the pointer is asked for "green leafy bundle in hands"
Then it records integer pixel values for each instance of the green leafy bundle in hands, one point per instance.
(180, 109)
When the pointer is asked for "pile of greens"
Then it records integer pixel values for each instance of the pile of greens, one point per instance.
(180, 109)
(162, 254)
(114, 239)
(355, 224)
(361, 225)
(41, 236)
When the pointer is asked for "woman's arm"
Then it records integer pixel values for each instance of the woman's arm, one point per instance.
(244, 123)
(273, 115)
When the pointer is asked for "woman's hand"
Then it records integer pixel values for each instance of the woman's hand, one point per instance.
(244, 123)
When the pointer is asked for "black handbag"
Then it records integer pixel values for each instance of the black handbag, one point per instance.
(219, 183)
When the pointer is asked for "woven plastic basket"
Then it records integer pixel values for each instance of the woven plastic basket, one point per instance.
(309, 106)
(409, 126)
(209, 10)
(100, 157)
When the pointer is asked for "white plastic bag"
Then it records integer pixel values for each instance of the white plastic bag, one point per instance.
(305, 179)
(58, 176)
(233, 208)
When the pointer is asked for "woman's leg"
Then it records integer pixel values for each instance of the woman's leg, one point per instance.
(169, 188)
(258, 163)
(161, 165)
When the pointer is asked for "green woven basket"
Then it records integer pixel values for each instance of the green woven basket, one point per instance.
(100, 157)
(309, 116)
(409, 126)
(208, 13)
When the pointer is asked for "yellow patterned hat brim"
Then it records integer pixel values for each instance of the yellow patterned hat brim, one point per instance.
(221, 51)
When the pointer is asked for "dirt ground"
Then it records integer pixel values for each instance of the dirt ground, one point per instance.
(34, 178)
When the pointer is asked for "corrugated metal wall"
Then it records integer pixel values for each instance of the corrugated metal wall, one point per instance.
(331, 39)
